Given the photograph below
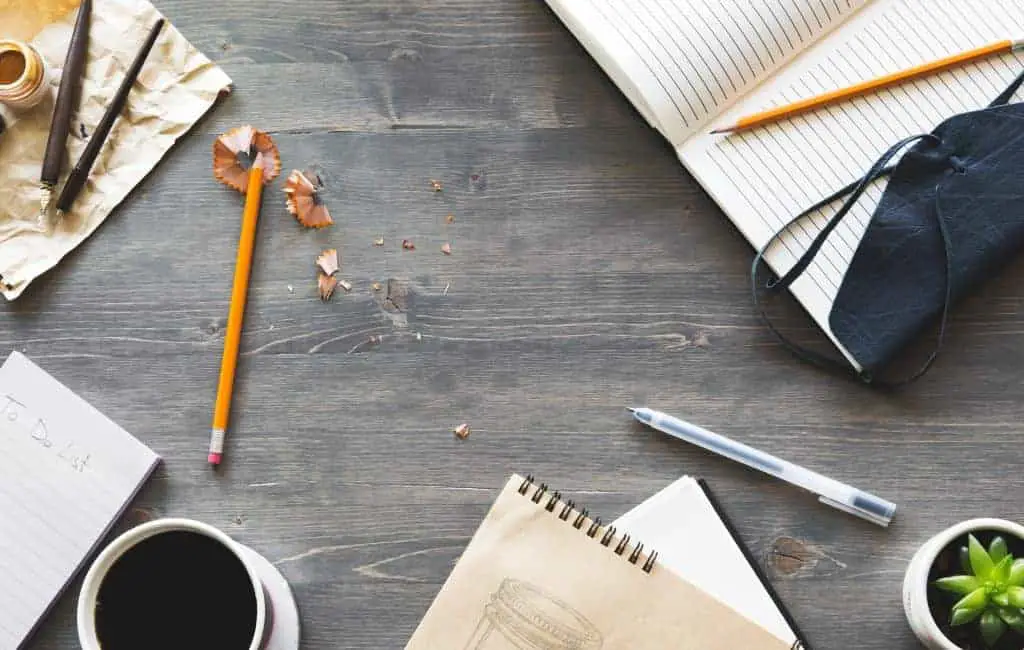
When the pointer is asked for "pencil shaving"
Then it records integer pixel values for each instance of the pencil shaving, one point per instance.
(305, 200)
(446, 248)
(378, 242)
(408, 245)
(462, 431)
(326, 285)
(237, 150)
(450, 219)
(436, 185)
(345, 284)
(328, 261)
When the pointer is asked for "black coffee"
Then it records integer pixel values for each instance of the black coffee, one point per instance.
(177, 590)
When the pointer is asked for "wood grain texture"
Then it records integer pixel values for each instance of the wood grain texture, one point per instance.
(589, 272)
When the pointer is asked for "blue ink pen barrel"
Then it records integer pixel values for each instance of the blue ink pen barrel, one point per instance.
(521, 617)
(23, 75)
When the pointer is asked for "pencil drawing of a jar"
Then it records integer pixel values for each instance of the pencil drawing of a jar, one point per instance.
(521, 617)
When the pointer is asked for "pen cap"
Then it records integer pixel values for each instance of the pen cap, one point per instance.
(865, 506)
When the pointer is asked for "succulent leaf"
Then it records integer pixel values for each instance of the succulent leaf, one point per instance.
(962, 585)
(1016, 596)
(1017, 573)
(992, 627)
(964, 615)
(965, 560)
(981, 563)
(1000, 598)
(1001, 571)
(997, 548)
(977, 599)
(1012, 617)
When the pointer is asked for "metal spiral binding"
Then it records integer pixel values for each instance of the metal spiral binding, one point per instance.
(582, 514)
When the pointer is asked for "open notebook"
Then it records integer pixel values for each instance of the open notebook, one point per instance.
(692, 65)
(66, 474)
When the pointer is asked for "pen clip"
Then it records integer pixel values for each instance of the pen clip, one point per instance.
(857, 512)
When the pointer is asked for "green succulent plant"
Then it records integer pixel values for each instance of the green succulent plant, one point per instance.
(991, 589)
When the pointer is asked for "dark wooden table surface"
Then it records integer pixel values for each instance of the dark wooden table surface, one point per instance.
(589, 272)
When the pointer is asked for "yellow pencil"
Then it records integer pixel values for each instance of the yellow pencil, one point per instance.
(239, 292)
(783, 112)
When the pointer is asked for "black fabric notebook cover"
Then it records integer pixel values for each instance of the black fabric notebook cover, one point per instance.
(950, 218)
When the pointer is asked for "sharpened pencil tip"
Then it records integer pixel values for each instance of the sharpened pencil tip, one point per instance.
(631, 409)
(717, 131)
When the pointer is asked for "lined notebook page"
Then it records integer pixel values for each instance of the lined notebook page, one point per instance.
(681, 62)
(66, 474)
(763, 178)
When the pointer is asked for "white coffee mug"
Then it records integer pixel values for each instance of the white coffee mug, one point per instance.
(89, 593)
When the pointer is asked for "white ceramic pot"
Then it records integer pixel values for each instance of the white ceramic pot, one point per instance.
(94, 578)
(915, 581)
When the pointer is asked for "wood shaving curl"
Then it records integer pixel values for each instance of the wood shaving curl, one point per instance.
(327, 265)
(446, 248)
(462, 431)
(235, 151)
(408, 245)
(326, 285)
(328, 261)
(305, 200)
(436, 185)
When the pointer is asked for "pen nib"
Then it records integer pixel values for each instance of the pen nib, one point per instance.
(45, 196)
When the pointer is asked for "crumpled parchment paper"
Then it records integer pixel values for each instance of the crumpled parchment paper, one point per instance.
(177, 86)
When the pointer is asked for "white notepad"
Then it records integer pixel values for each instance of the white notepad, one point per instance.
(692, 539)
(693, 65)
(67, 473)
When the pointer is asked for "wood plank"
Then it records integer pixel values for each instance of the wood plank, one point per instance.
(589, 272)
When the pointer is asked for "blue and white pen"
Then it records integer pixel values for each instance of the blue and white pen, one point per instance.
(831, 492)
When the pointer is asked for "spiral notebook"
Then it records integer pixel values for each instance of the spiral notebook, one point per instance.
(540, 572)
(690, 66)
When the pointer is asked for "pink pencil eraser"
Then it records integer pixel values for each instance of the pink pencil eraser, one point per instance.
(214, 459)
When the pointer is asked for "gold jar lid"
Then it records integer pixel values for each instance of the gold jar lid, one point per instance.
(22, 74)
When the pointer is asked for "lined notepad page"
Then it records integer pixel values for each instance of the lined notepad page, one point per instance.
(681, 62)
(66, 474)
(763, 178)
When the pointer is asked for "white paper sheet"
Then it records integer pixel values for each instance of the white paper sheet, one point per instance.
(680, 523)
